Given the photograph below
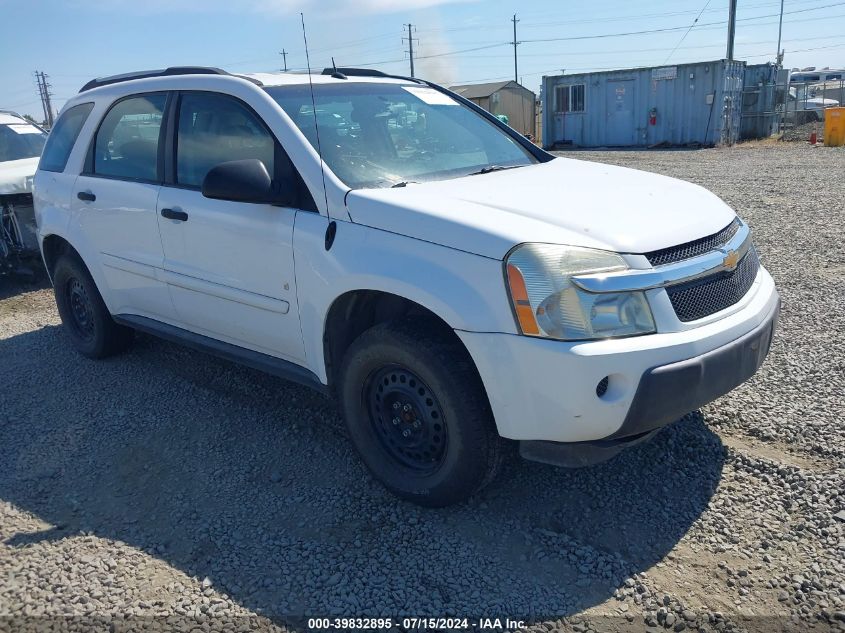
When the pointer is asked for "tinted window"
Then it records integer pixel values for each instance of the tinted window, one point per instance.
(20, 140)
(63, 136)
(214, 129)
(127, 141)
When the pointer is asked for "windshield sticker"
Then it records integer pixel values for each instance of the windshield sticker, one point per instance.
(430, 96)
(24, 128)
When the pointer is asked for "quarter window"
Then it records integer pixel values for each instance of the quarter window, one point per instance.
(569, 98)
(63, 136)
(127, 141)
(214, 129)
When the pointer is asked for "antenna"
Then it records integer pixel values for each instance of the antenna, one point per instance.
(330, 230)
(336, 74)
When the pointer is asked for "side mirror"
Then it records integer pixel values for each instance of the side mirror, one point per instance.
(243, 181)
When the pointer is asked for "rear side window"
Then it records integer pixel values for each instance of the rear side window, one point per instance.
(63, 136)
(213, 129)
(127, 141)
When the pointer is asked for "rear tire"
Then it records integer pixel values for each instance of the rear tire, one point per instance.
(418, 414)
(84, 315)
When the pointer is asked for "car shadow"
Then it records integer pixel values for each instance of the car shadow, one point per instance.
(224, 472)
(12, 285)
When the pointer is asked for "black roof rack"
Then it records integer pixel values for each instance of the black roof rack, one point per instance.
(367, 72)
(161, 72)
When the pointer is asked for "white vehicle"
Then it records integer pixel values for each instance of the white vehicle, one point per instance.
(20, 146)
(816, 76)
(803, 106)
(452, 284)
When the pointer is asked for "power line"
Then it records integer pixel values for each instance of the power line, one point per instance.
(675, 28)
(691, 26)
(599, 68)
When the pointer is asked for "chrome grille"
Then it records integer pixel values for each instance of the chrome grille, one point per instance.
(694, 248)
(703, 297)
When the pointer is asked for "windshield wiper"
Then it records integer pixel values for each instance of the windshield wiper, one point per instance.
(403, 183)
(491, 168)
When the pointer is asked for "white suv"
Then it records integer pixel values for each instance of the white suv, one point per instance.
(386, 240)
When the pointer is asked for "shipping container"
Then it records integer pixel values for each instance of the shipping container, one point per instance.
(684, 104)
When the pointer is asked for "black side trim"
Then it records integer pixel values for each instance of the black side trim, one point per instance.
(668, 392)
(256, 360)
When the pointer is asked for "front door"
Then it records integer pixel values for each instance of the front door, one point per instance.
(620, 128)
(115, 199)
(229, 265)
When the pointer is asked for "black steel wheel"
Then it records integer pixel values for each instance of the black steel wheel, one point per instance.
(407, 418)
(85, 316)
(417, 412)
(81, 309)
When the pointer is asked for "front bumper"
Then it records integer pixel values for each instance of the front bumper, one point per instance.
(541, 389)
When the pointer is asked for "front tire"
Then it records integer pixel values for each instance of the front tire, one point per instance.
(418, 414)
(92, 331)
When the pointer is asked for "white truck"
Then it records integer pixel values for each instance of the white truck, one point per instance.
(387, 241)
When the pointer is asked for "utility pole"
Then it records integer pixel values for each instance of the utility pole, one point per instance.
(284, 55)
(779, 56)
(731, 31)
(515, 44)
(410, 46)
(44, 94)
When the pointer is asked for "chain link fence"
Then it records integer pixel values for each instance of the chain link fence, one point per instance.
(793, 111)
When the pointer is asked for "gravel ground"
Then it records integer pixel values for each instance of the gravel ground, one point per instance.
(801, 133)
(167, 490)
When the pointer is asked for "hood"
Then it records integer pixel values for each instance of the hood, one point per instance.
(16, 176)
(563, 201)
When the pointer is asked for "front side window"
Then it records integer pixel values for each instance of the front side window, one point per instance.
(381, 134)
(213, 129)
(127, 141)
(63, 136)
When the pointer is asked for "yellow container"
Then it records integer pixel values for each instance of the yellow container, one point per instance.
(834, 127)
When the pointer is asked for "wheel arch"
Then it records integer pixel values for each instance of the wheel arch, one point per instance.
(53, 246)
(355, 311)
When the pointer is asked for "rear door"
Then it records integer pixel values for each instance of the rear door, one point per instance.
(115, 201)
(229, 265)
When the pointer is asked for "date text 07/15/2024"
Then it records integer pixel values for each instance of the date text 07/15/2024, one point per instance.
(414, 623)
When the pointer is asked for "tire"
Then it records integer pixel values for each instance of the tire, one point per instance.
(444, 447)
(92, 331)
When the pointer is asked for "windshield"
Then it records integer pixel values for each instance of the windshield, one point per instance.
(380, 135)
(20, 140)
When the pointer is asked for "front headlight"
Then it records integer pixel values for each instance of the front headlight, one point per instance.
(547, 303)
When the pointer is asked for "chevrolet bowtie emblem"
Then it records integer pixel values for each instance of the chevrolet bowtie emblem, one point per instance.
(731, 260)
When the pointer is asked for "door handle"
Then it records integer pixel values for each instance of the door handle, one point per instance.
(87, 196)
(174, 214)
